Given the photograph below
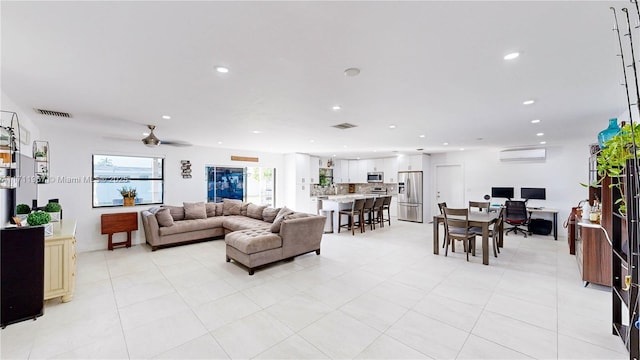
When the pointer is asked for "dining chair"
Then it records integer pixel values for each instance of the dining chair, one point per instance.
(441, 206)
(367, 211)
(480, 205)
(495, 231)
(378, 213)
(516, 215)
(456, 222)
(386, 205)
(355, 216)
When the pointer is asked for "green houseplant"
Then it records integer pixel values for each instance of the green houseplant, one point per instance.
(23, 209)
(612, 159)
(128, 195)
(53, 208)
(41, 218)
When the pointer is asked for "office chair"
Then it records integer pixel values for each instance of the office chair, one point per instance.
(517, 216)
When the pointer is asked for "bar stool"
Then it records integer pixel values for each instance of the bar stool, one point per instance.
(379, 215)
(386, 206)
(354, 214)
(367, 211)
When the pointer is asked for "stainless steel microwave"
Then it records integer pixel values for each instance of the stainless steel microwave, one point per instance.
(375, 177)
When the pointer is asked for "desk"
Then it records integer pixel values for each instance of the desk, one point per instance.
(480, 219)
(554, 212)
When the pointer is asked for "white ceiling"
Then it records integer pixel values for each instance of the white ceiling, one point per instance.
(430, 68)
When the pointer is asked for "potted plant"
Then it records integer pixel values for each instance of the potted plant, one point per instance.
(128, 195)
(612, 159)
(22, 210)
(40, 217)
(53, 208)
(40, 155)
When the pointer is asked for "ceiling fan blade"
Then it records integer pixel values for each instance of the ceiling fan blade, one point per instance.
(176, 143)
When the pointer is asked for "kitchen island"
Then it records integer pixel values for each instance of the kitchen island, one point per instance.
(340, 202)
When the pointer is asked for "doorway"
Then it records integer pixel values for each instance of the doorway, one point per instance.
(449, 186)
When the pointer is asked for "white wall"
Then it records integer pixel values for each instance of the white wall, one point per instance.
(26, 123)
(561, 173)
(71, 152)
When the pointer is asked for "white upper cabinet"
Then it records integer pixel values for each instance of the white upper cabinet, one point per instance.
(410, 163)
(341, 171)
(314, 170)
(375, 165)
(303, 168)
(390, 169)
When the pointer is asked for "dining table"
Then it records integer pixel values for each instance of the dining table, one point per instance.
(480, 219)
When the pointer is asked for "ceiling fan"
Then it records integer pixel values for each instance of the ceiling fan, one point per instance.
(152, 141)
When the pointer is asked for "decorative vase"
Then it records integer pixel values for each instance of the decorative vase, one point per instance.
(129, 201)
(608, 133)
(55, 216)
(48, 229)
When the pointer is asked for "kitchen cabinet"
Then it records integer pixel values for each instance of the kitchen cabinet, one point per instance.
(390, 168)
(314, 170)
(341, 171)
(303, 168)
(375, 165)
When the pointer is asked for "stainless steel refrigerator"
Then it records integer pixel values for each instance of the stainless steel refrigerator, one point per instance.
(410, 196)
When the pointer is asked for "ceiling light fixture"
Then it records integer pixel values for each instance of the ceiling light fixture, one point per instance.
(511, 56)
(222, 69)
(542, 142)
(336, 107)
(312, 141)
(219, 142)
(166, 117)
(151, 140)
(540, 134)
(421, 136)
(352, 72)
(528, 102)
(535, 121)
(257, 132)
(445, 143)
(392, 126)
(461, 149)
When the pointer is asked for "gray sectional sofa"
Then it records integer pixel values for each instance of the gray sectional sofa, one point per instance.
(255, 235)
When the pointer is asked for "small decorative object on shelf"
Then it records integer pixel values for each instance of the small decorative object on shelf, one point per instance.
(54, 209)
(128, 195)
(41, 161)
(41, 218)
(608, 133)
(186, 169)
(22, 211)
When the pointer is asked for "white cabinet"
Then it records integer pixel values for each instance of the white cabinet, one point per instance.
(393, 207)
(314, 170)
(341, 171)
(390, 168)
(375, 165)
(361, 174)
(411, 163)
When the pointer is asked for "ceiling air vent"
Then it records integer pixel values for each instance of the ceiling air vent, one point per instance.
(344, 126)
(53, 113)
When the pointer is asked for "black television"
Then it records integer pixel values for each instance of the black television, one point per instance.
(502, 192)
(533, 193)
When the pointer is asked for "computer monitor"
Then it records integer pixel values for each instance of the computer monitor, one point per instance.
(502, 192)
(533, 193)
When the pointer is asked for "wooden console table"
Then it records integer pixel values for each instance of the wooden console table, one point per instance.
(119, 222)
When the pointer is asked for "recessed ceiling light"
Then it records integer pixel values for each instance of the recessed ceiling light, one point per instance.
(257, 132)
(219, 142)
(421, 136)
(358, 158)
(528, 102)
(511, 56)
(445, 144)
(145, 134)
(461, 149)
(535, 121)
(542, 142)
(344, 146)
(392, 126)
(222, 69)
(540, 134)
(336, 107)
(334, 155)
(312, 141)
(166, 117)
(352, 72)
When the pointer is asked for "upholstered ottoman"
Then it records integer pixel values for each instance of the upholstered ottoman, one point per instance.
(253, 247)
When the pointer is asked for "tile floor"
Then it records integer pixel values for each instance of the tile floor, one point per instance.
(382, 294)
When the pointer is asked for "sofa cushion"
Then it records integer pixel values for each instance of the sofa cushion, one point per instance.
(192, 225)
(239, 222)
(275, 227)
(244, 207)
(296, 215)
(231, 207)
(164, 217)
(211, 209)
(177, 212)
(255, 211)
(269, 214)
(219, 209)
(194, 211)
(154, 209)
(251, 241)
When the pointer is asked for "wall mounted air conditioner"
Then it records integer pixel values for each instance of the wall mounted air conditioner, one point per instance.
(523, 154)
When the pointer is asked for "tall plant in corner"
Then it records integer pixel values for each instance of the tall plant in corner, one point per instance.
(613, 158)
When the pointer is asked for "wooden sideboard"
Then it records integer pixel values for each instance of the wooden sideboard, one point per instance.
(593, 253)
(60, 261)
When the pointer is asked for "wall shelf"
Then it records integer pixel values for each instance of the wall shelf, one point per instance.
(41, 161)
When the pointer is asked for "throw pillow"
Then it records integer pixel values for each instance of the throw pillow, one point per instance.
(211, 209)
(177, 212)
(195, 211)
(275, 227)
(243, 208)
(154, 209)
(231, 207)
(164, 217)
(269, 214)
(255, 211)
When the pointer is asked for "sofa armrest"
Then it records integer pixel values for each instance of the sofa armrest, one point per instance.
(301, 235)
(151, 227)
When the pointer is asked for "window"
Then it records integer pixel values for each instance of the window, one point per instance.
(111, 173)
